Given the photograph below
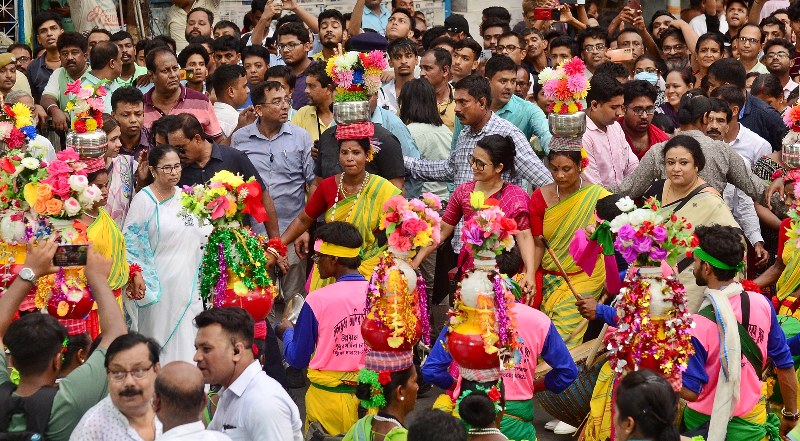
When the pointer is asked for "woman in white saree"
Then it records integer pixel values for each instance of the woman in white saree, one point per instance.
(167, 245)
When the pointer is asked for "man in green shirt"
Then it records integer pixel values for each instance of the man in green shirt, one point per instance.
(130, 70)
(35, 344)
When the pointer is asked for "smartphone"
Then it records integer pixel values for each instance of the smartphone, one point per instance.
(573, 2)
(635, 5)
(70, 255)
(187, 74)
(625, 54)
(485, 55)
(546, 14)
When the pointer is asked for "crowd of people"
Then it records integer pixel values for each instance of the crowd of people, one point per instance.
(690, 109)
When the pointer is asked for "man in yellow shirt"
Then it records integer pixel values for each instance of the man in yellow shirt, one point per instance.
(317, 116)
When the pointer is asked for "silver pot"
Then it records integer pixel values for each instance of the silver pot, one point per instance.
(89, 144)
(571, 125)
(791, 155)
(350, 112)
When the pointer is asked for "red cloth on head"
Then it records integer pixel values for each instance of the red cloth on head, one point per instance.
(360, 130)
(94, 164)
(74, 326)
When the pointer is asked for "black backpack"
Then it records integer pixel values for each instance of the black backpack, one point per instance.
(36, 409)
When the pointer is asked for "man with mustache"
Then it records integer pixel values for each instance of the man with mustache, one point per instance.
(199, 22)
(73, 50)
(331, 33)
(639, 101)
(126, 414)
(130, 70)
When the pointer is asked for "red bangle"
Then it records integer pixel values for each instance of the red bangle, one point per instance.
(276, 244)
(134, 270)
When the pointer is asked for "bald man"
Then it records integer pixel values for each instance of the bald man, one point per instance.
(179, 400)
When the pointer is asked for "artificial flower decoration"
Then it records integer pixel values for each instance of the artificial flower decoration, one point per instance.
(357, 75)
(65, 193)
(224, 201)
(566, 85)
(645, 237)
(17, 169)
(412, 224)
(86, 105)
(489, 229)
(17, 126)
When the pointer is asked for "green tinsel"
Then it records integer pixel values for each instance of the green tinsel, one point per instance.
(377, 399)
(243, 255)
(341, 97)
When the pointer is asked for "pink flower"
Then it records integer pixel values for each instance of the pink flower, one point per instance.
(101, 91)
(73, 88)
(57, 167)
(85, 93)
(417, 204)
(68, 155)
(577, 83)
(399, 242)
(550, 87)
(97, 104)
(432, 200)
(395, 203)
(218, 207)
(413, 226)
(60, 185)
(574, 66)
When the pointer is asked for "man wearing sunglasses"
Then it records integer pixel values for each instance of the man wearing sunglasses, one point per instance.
(639, 98)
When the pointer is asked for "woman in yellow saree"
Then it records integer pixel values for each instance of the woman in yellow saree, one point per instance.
(354, 196)
(558, 210)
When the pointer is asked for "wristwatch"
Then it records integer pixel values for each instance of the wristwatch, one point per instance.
(27, 275)
(788, 416)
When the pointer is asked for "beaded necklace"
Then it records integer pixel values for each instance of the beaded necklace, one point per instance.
(340, 189)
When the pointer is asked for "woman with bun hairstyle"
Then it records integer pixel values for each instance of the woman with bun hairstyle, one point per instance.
(393, 393)
(646, 408)
(481, 407)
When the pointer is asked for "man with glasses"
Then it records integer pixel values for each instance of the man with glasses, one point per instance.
(592, 43)
(35, 341)
(639, 101)
(674, 50)
(512, 45)
(294, 45)
(748, 43)
(778, 56)
(126, 414)
(22, 53)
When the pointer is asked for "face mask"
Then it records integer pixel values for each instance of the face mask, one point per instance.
(650, 77)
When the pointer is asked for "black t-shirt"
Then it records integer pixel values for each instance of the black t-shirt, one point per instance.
(222, 158)
(388, 163)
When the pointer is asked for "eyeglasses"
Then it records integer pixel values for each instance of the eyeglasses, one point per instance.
(750, 41)
(639, 111)
(477, 163)
(594, 47)
(23, 59)
(170, 168)
(277, 102)
(510, 47)
(782, 55)
(646, 69)
(316, 257)
(288, 46)
(673, 49)
(137, 374)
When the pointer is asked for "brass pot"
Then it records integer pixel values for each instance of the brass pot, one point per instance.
(350, 112)
(569, 125)
(89, 144)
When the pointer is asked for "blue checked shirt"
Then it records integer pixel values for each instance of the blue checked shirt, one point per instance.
(457, 169)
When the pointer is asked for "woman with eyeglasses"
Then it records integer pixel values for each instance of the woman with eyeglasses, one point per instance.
(678, 82)
(493, 155)
(167, 247)
(710, 48)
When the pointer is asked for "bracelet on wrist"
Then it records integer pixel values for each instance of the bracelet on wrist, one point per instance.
(275, 245)
(789, 416)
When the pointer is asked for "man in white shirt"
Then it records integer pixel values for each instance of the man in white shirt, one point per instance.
(252, 406)
(230, 86)
(179, 400)
(126, 413)
(746, 142)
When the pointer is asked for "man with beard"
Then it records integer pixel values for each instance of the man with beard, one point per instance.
(331, 33)
(72, 49)
(743, 325)
(639, 100)
(199, 22)
(293, 44)
(130, 70)
(317, 116)
(592, 44)
(47, 26)
(674, 50)
(177, 15)
(778, 56)
(755, 114)
(126, 414)
(748, 42)
(127, 108)
(403, 59)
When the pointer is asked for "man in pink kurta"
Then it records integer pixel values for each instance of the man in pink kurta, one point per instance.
(610, 156)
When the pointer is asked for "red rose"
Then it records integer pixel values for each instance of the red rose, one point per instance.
(508, 224)
(8, 111)
(80, 126)
(384, 378)
(7, 166)
(695, 241)
(494, 394)
(392, 217)
(15, 139)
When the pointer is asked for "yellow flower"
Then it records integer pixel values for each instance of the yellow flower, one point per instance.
(63, 308)
(23, 114)
(477, 199)
(572, 108)
(70, 106)
(91, 125)
(227, 178)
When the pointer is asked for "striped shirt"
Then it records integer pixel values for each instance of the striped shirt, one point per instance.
(189, 101)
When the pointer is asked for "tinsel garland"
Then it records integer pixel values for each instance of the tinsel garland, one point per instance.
(638, 335)
(228, 249)
(377, 400)
(402, 313)
(422, 295)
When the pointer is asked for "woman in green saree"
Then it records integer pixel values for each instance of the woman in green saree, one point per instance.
(394, 395)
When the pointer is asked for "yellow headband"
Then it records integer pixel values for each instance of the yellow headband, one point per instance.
(336, 250)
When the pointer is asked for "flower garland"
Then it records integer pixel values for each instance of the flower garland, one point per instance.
(86, 105)
(16, 125)
(566, 85)
(357, 75)
(639, 336)
(376, 382)
(239, 252)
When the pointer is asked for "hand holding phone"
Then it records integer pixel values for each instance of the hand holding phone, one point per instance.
(618, 55)
(546, 14)
(71, 255)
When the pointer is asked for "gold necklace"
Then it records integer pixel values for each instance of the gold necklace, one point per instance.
(341, 189)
